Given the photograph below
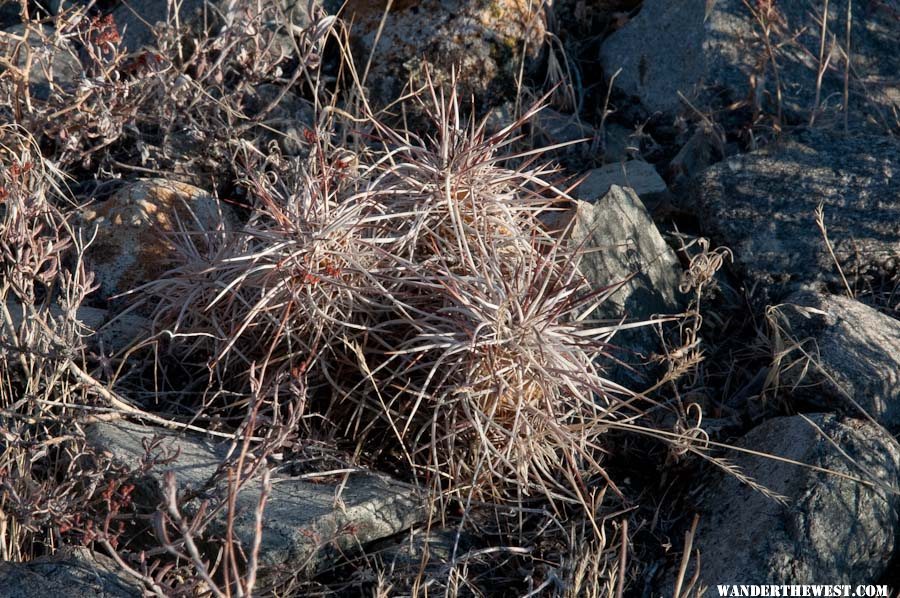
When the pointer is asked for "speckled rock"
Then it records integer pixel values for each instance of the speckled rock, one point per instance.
(74, 573)
(714, 51)
(840, 354)
(482, 39)
(308, 523)
(830, 528)
(134, 243)
(763, 206)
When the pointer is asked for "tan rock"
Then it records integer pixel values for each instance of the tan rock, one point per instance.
(136, 226)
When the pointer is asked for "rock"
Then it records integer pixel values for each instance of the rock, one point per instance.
(620, 144)
(705, 147)
(74, 573)
(433, 553)
(554, 127)
(481, 40)
(135, 225)
(499, 117)
(550, 128)
(621, 243)
(830, 528)
(636, 174)
(580, 19)
(711, 51)
(854, 355)
(54, 62)
(9, 15)
(762, 205)
(306, 525)
(111, 334)
(286, 122)
(133, 18)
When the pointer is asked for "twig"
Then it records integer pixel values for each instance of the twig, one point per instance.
(623, 559)
(847, 70)
(823, 64)
(119, 403)
(820, 222)
(686, 556)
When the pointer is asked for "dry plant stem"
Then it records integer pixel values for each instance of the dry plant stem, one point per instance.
(686, 557)
(235, 481)
(846, 456)
(820, 222)
(623, 559)
(698, 448)
(119, 403)
(766, 27)
(253, 565)
(606, 111)
(823, 64)
(186, 531)
(847, 69)
(378, 32)
(148, 581)
(781, 350)
(406, 275)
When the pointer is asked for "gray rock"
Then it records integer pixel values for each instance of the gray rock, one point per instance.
(705, 147)
(105, 331)
(431, 554)
(136, 19)
(580, 143)
(54, 62)
(854, 355)
(762, 205)
(307, 524)
(621, 244)
(830, 527)
(74, 573)
(286, 121)
(9, 15)
(554, 127)
(620, 143)
(710, 51)
(636, 174)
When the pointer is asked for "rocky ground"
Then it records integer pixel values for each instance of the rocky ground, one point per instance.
(413, 298)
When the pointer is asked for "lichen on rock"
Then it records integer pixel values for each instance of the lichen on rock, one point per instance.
(481, 43)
